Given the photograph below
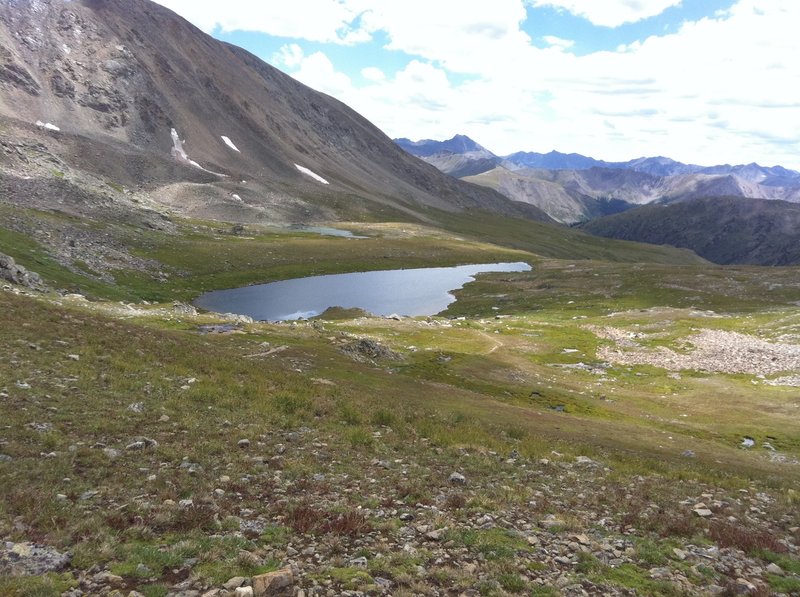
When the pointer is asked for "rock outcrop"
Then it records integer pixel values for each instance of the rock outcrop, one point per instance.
(17, 274)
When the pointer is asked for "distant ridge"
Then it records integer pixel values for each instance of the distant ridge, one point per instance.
(724, 230)
(574, 188)
(428, 147)
(556, 160)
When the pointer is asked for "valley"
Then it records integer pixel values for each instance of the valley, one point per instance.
(610, 418)
(300, 444)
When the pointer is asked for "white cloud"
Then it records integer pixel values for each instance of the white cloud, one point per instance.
(317, 71)
(464, 37)
(332, 21)
(290, 55)
(373, 73)
(558, 42)
(610, 13)
(723, 89)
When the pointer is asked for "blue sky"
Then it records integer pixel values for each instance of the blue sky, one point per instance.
(547, 20)
(702, 81)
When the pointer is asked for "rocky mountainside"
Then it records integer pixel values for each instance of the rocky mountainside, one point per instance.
(574, 188)
(119, 94)
(564, 201)
(722, 229)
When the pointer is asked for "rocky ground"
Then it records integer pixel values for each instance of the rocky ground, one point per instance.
(708, 350)
(382, 512)
(424, 521)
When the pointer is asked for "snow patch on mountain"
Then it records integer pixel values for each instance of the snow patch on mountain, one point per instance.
(229, 143)
(47, 125)
(180, 154)
(313, 175)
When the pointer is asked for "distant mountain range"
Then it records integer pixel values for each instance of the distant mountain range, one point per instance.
(657, 166)
(574, 188)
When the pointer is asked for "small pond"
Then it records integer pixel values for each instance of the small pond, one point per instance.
(422, 291)
(324, 231)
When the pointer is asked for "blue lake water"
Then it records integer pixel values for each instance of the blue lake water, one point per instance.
(423, 291)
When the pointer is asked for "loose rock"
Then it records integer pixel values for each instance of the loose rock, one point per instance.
(274, 584)
(17, 559)
(457, 479)
(16, 274)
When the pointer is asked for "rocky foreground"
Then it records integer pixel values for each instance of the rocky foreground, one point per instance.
(181, 456)
(428, 521)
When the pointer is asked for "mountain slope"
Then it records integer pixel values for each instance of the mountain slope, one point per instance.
(115, 77)
(724, 230)
(561, 203)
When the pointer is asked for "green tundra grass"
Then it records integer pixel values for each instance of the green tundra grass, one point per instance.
(512, 365)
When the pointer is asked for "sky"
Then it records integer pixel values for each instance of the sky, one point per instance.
(701, 81)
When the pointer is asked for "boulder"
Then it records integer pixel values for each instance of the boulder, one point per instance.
(457, 479)
(16, 274)
(367, 350)
(274, 584)
(235, 582)
(183, 309)
(30, 559)
(742, 586)
(775, 569)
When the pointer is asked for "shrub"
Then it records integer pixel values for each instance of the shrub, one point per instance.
(512, 583)
(455, 501)
(360, 438)
(748, 540)
(304, 518)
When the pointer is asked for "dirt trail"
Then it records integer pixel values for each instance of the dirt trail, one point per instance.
(497, 343)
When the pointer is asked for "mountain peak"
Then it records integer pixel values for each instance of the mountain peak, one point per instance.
(459, 144)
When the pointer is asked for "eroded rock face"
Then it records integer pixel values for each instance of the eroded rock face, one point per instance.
(18, 76)
(16, 274)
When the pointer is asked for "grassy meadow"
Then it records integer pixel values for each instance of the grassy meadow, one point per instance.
(513, 366)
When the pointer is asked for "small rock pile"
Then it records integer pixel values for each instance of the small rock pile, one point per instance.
(367, 350)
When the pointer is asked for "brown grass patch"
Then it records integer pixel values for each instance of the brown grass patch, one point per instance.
(304, 518)
(747, 539)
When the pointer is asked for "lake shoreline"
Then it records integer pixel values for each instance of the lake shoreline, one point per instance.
(406, 292)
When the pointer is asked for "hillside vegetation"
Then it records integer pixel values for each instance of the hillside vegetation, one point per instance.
(721, 229)
(556, 428)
